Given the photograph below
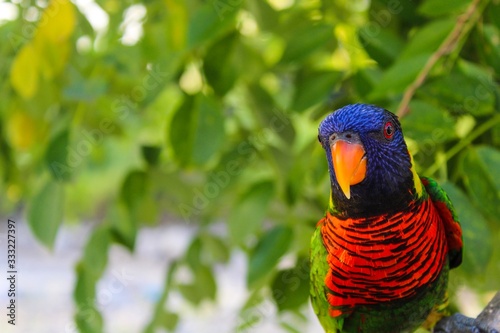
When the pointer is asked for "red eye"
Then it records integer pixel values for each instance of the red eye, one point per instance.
(388, 130)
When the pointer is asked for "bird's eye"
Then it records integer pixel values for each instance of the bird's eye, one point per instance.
(388, 130)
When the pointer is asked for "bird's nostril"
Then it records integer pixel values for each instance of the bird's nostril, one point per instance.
(348, 135)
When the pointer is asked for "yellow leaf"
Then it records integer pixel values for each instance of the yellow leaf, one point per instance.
(21, 130)
(57, 22)
(52, 60)
(24, 72)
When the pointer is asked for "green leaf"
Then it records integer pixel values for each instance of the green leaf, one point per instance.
(134, 188)
(481, 179)
(490, 46)
(467, 89)
(383, 47)
(267, 253)
(197, 130)
(313, 88)
(46, 212)
(428, 38)
(269, 115)
(305, 41)
(434, 8)
(291, 287)
(169, 320)
(416, 124)
(209, 20)
(476, 233)
(203, 287)
(264, 14)
(249, 211)
(95, 255)
(399, 76)
(215, 248)
(151, 154)
(56, 156)
(222, 77)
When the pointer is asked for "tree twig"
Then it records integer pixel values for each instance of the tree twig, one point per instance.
(451, 41)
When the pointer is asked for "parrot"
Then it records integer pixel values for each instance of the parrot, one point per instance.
(381, 255)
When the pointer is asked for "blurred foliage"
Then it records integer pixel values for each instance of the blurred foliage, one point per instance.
(130, 112)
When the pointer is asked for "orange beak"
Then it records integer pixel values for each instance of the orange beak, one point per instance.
(349, 163)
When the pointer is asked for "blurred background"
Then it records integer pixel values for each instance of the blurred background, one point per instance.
(161, 163)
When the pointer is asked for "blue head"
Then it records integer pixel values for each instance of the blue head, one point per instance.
(369, 163)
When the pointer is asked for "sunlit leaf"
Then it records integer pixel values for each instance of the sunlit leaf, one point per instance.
(24, 72)
(46, 212)
(268, 251)
(58, 21)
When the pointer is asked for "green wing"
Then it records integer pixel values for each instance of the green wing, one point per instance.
(449, 219)
(319, 269)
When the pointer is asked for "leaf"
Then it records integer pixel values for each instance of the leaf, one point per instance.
(56, 156)
(490, 46)
(313, 88)
(209, 20)
(434, 8)
(416, 124)
(383, 47)
(169, 320)
(220, 64)
(134, 188)
(95, 255)
(269, 115)
(46, 212)
(58, 21)
(291, 287)
(481, 180)
(249, 211)
(215, 248)
(428, 38)
(267, 253)
(467, 89)
(151, 154)
(24, 72)
(399, 76)
(264, 14)
(197, 130)
(204, 286)
(306, 41)
(476, 233)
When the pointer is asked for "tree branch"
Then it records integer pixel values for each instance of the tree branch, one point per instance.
(488, 320)
(463, 26)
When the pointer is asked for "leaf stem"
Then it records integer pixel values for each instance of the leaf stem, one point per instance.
(464, 24)
(462, 144)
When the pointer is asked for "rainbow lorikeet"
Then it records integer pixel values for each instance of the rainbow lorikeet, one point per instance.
(380, 257)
